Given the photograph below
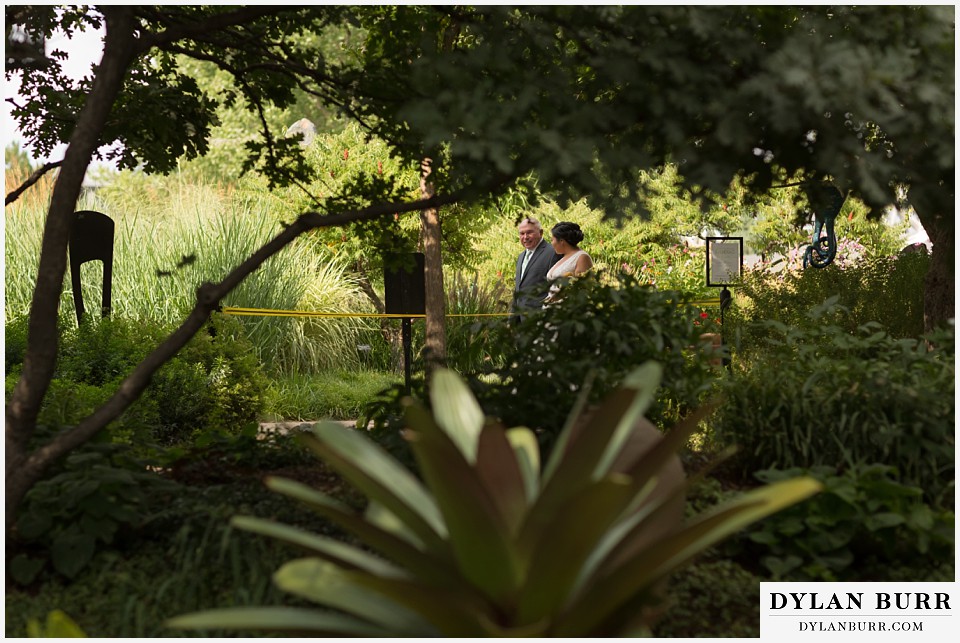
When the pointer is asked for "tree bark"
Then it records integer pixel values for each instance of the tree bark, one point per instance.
(939, 288)
(435, 340)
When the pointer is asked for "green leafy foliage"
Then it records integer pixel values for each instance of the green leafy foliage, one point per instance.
(99, 494)
(600, 326)
(677, 267)
(821, 395)
(493, 541)
(187, 558)
(215, 381)
(863, 522)
(886, 289)
(731, 609)
(170, 237)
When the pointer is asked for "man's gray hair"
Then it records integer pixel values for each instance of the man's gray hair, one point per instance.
(531, 221)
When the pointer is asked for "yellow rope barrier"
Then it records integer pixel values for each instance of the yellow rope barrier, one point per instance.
(267, 312)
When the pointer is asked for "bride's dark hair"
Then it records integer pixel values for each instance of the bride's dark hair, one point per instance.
(568, 231)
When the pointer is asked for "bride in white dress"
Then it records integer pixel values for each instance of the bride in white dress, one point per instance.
(565, 239)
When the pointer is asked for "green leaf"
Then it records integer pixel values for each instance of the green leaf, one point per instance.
(478, 532)
(645, 380)
(24, 569)
(294, 620)
(323, 582)
(374, 472)
(567, 543)
(101, 528)
(33, 524)
(573, 418)
(586, 445)
(70, 552)
(456, 411)
(431, 569)
(454, 613)
(644, 461)
(327, 548)
(607, 594)
(58, 626)
(377, 514)
(658, 516)
(527, 452)
(501, 475)
(883, 521)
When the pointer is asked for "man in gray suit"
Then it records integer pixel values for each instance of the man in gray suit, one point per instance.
(532, 266)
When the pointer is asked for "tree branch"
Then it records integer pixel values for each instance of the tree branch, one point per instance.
(208, 297)
(33, 178)
(218, 22)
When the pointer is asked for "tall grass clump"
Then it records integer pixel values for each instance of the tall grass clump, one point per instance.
(163, 254)
(23, 231)
(471, 306)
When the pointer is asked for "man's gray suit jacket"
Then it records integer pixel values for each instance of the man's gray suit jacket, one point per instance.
(525, 294)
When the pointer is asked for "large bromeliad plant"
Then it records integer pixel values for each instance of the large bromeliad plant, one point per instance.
(492, 542)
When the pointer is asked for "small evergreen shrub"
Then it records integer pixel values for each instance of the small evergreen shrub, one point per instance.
(820, 395)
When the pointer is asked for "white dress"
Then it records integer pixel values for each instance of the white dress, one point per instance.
(563, 268)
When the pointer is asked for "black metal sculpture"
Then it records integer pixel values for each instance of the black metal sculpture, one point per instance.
(826, 201)
(91, 239)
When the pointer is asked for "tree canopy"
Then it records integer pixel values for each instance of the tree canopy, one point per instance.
(582, 97)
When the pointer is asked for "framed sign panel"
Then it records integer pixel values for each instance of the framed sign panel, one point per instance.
(724, 260)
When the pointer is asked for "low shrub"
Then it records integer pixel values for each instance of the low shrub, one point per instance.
(730, 609)
(820, 395)
(885, 290)
(601, 328)
(188, 558)
(215, 380)
(862, 523)
(97, 498)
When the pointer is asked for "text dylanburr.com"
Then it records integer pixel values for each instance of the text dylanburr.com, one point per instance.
(854, 611)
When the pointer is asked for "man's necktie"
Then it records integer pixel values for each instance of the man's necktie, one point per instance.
(526, 260)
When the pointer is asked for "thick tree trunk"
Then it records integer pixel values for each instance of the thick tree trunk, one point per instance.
(435, 342)
(24, 405)
(939, 289)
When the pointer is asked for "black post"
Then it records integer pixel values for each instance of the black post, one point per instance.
(725, 298)
(403, 294)
(406, 336)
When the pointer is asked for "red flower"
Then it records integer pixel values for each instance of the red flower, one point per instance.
(704, 315)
